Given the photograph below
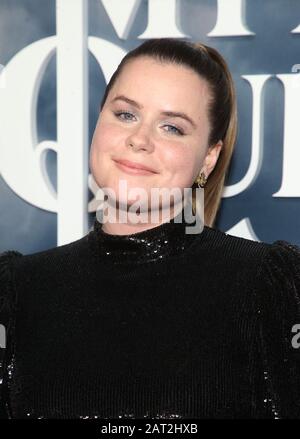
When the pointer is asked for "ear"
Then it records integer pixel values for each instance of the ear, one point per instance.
(211, 158)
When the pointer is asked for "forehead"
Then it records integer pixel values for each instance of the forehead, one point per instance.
(163, 84)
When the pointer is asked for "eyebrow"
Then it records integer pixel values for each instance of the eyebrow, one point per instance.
(165, 113)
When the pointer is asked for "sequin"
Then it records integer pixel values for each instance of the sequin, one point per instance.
(265, 383)
(150, 245)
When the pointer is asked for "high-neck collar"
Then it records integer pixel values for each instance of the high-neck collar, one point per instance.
(166, 239)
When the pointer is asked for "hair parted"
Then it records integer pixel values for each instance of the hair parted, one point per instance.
(222, 108)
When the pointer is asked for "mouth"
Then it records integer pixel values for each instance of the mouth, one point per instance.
(133, 168)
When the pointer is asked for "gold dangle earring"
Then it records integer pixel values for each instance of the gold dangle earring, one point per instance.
(201, 180)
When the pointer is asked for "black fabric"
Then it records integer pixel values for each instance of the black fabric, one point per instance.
(104, 327)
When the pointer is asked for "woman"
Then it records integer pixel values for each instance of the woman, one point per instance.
(144, 320)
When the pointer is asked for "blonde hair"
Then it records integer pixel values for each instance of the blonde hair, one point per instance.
(215, 183)
(222, 110)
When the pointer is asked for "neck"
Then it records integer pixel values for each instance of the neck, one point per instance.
(148, 245)
(128, 227)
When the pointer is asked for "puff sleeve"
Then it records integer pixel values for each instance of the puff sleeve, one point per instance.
(278, 308)
(7, 310)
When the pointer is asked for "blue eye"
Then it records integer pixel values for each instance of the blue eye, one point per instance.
(177, 130)
(118, 114)
(128, 118)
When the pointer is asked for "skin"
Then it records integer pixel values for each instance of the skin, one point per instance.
(157, 143)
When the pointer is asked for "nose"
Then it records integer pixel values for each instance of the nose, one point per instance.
(141, 139)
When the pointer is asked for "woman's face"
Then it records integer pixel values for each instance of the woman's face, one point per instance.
(139, 112)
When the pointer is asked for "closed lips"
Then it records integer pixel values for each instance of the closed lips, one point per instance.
(134, 165)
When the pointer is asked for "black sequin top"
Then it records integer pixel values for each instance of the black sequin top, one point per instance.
(158, 324)
(169, 239)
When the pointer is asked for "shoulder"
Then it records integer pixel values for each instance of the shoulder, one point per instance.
(43, 265)
(8, 259)
(276, 263)
(216, 239)
(278, 294)
(278, 289)
(229, 249)
(275, 252)
(282, 263)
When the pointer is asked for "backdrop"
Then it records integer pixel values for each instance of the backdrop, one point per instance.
(57, 56)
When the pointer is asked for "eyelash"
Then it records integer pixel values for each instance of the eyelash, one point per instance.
(179, 131)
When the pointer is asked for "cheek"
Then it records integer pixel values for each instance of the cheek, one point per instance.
(182, 164)
(105, 142)
(101, 144)
(104, 139)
